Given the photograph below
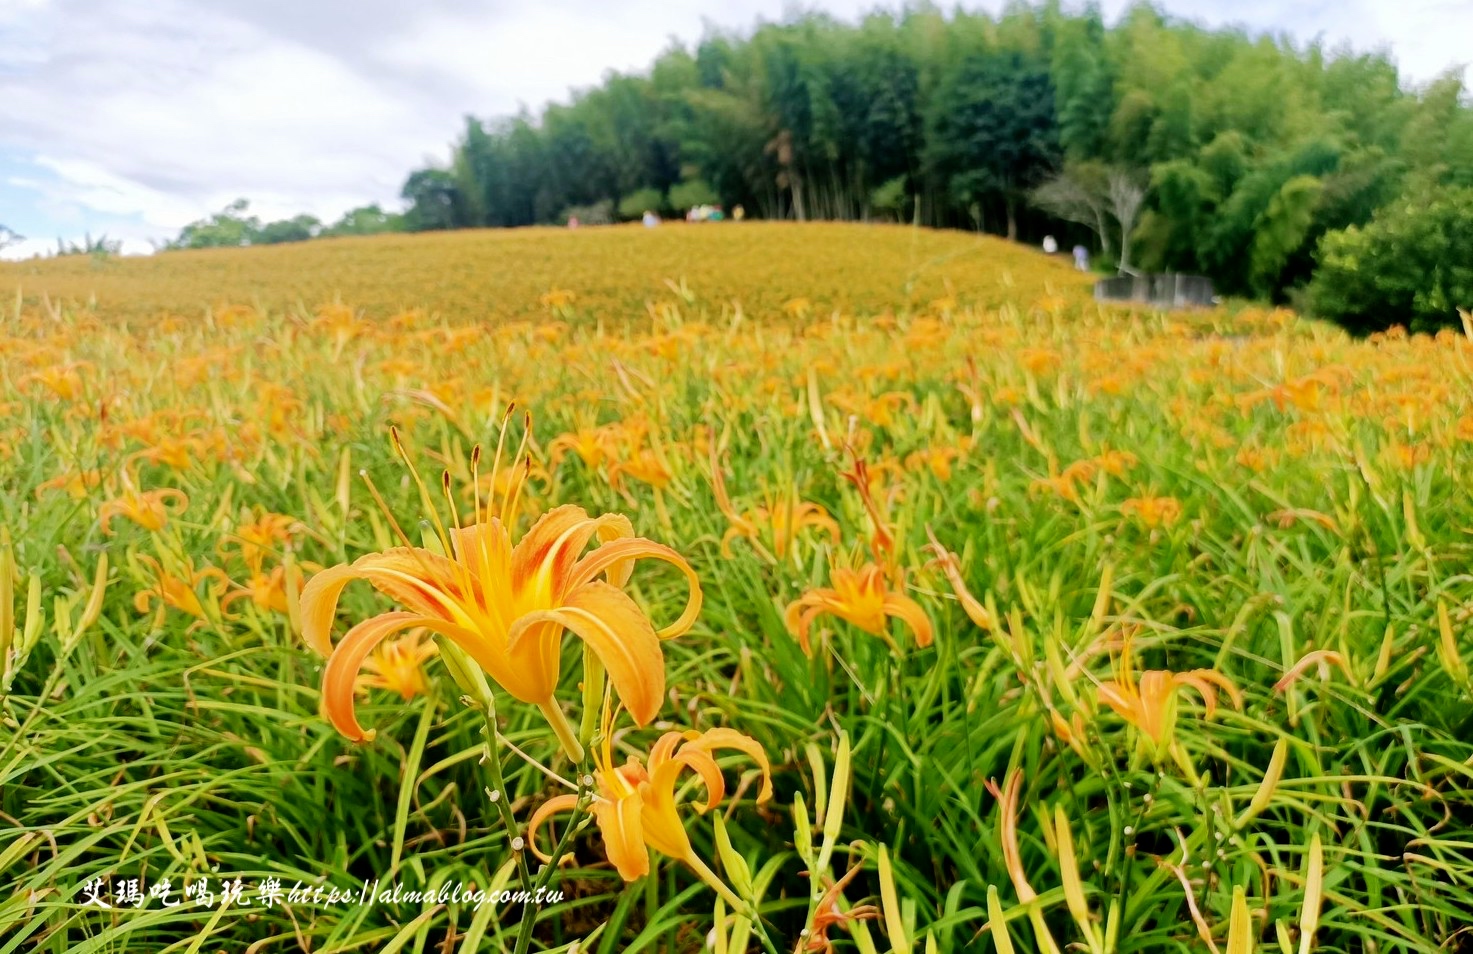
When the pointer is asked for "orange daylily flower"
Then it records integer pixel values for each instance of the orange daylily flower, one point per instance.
(76, 484)
(507, 607)
(1007, 821)
(635, 806)
(1321, 658)
(784, 518)
(938, 459)
(861, 597)
(593, 445)
(1153, 511)
(1150, 703)
(882, 541)
(558, 298)
(180, 592)
(398, 665)
(266, 590)
(150, 509)
(258, 538)
(1116, 462)
(176, 453)
(64, 380)
(646, 467)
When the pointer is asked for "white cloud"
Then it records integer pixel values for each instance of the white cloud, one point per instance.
(142, 117)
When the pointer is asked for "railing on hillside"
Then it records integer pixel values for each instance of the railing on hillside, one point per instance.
(1160, 291)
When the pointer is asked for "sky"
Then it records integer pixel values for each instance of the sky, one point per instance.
(134, 119)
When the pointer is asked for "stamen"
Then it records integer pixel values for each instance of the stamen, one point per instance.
(500, 444)
(476, 481)
(513, 495)
(378, 499)
(449, 498)
(424, 494)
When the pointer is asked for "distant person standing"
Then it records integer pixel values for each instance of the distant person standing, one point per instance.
(1049, 245)
(650, 219)
(1081, 258)
(738, 213)
(573, 222)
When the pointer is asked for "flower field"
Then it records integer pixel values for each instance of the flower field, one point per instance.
(751, 587)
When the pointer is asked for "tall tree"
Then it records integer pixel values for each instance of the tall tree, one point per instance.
(991, 131)
(435, 201)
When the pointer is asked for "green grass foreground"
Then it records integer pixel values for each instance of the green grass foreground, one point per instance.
(1269, 517)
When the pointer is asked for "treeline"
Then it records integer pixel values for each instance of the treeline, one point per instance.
(1165, 145)
(234, 226)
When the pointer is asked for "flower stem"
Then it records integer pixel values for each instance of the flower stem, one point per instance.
(501, 802)
(739, 907)
(563, 729)
(716, 884)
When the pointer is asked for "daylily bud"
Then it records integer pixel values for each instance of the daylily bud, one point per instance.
(7, 602)
(820, 781)
(344, 492)
(594, 677)
(1240, 926)
(737, 870)
(1447, 648)
(93, 608)
(1073, 887)
(1314, 889)
(467, 675)
(833, 819)
(292, 584)
(802, 828)
(34, 617)
(997, 923)
(1269, 784)
(890, 904)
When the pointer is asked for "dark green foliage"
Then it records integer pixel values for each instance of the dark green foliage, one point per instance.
(233, 227)
(637, 203)
(685, 195)
(436, 201)
(991, 131)
(366, 220)
(1411, 265)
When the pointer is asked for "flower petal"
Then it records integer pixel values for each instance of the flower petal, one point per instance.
(907, 609)
(705, 766)
(617, 630)
(416, 579)
(622, 553)
(551, 547)
(622, 825)
(665, 747)
(724, 738)
(484, 549)
(663, 829)
(347, 659)
(801, 613)
(319, 603)
(1157, 698)
(1197, 678)
(554, 805)
(1120, 697)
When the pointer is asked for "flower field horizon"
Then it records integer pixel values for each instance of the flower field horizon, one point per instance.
(738, 587)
